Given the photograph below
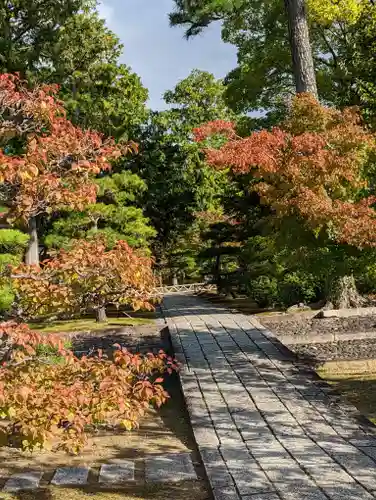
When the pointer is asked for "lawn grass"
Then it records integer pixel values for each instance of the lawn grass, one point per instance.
(356, 385)
(86, 324)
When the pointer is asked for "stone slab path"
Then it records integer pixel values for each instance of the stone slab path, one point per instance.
(265, 429)
(168, 468)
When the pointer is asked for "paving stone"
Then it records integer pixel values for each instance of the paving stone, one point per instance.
(360, 466)
(249, 478)
(70, 475)
(261, 496)
(347, 492)
(23, 481)
(369, 451)
(300, 493)
(216, 468)
(205, 436)
(172, 467)
(226, 494)
(117, 472)
(275, 427)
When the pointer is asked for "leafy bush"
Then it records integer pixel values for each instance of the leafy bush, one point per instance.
(263, 290)
(54, 405)
(12, 246)
(297, 287)
(6, 298)
(12, 241)
(88, 277)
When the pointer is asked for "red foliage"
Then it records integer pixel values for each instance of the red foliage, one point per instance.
(87, 277)
(25, 110)
(312, 166)
(212, 128)
(58, 160)
(55, 403)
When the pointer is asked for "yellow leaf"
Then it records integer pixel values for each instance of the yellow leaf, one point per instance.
(127, 424)
(11, 412)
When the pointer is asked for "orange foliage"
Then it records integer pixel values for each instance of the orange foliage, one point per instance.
(53, 404)
(312, 166)
(87, 277)
(59, 159)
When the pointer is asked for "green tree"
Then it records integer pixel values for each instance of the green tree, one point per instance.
(199, 15)
(13, 244)
(116, 216)
(179, 182)
(28, 30)
(263, 79)
(66, 42)
(99, 92)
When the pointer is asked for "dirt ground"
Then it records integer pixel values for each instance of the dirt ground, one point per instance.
(163, 431)
(187, 490)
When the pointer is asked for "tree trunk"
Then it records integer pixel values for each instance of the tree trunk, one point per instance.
(217, 273)
(75, 94)
(100, 314)
(343, 293)
(301, 51)
(32, 252)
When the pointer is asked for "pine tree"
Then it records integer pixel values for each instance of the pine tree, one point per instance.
(115, 215)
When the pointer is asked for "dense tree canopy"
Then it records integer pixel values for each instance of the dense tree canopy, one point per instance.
(46, 163)
(280, 193)
(262, 80)
(115, 215)
(29, 30)
(98, 91)
(179, 183)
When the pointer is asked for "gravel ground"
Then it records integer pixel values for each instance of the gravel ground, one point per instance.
(320, 352)
(347, 350)
(310, 326)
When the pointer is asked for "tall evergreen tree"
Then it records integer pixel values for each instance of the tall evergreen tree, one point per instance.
(179, 183)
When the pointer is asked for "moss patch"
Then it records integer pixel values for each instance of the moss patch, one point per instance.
(355, 382)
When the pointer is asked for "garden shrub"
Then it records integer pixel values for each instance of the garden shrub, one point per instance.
(12, 241)
(87, 277)
(53, 405)
(264, 290)
(296, 287)
(12, 246)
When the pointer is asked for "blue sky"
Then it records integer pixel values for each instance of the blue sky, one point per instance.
(159, 54)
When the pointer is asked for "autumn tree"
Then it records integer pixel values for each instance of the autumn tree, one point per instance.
(313, 168)
(46, 162)
(86, 278)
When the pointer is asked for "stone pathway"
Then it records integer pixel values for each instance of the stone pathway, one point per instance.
(159, 469)
(265, 429)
